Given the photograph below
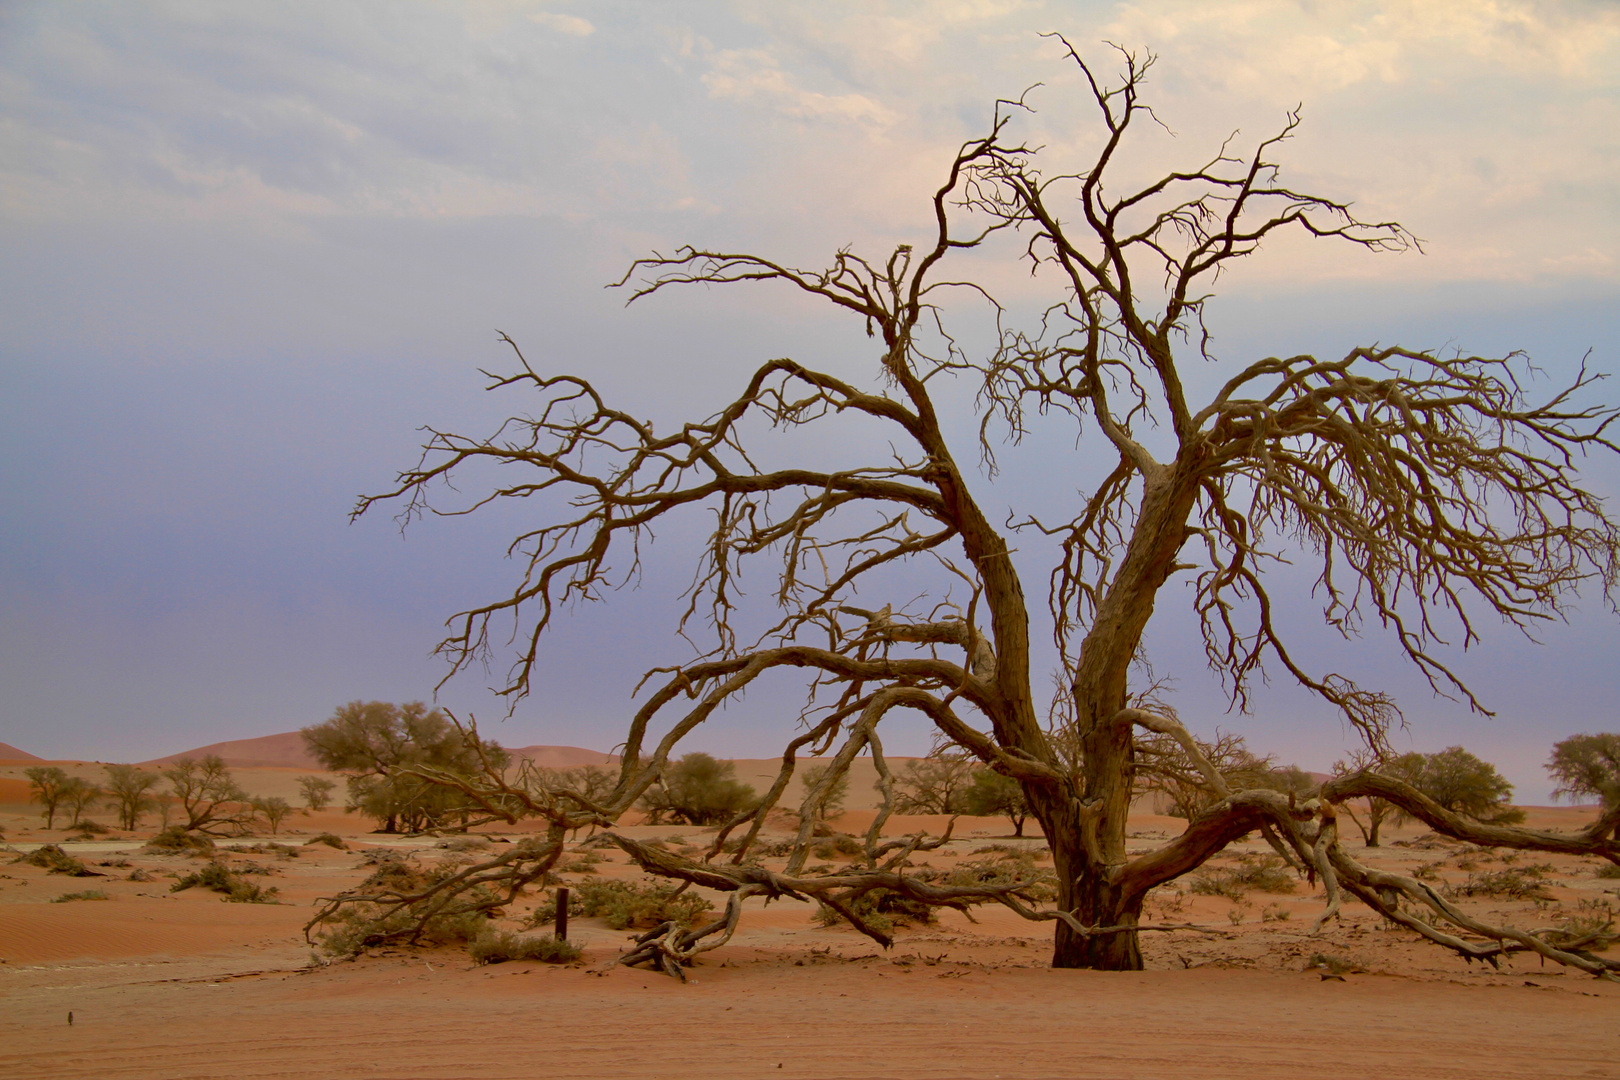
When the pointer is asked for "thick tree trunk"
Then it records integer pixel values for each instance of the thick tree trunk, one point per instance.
(1083, 889)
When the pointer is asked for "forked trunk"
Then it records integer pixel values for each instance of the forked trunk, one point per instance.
(1083, 869)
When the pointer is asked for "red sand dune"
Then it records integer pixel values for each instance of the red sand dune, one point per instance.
(11, 753)
(283, 751)
(563, 757)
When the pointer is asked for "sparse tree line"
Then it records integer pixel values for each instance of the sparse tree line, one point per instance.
(374, 741)
(201, 796)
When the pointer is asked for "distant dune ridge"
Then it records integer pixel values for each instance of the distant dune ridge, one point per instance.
(11, 753)
(286, 751)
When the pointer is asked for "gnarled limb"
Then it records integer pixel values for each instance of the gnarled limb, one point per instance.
(1596, 839)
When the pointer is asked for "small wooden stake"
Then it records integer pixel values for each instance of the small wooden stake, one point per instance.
(561, 933)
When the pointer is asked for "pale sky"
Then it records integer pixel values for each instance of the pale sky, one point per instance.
(248, 248)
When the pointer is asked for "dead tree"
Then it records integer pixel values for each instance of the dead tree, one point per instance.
(1427, 489)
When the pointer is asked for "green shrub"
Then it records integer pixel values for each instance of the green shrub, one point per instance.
(1608, 870)
(624, 904)
(87, 828)
(329, 839)
(493, 946)
(880, 909)
(176, 840)
(361, 925)
(57, 861)
(1266, 873)
(88, 894)
(218, 877)
(581, 862)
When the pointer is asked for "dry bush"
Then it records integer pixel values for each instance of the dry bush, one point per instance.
(329, 839)
(57, 861)
(1589, 928)
(842, 844)
(1334, 965)
(87, 828)
(1608, 870)
(1265, 873)
(176, 840)
(88, 894)
(622, 904)
(760, 849)
(1513, 883)
(218, 877)
(493, 946)
(465, 843)
(280, 851)
(357, 928)
(365, 924)
(138, 874)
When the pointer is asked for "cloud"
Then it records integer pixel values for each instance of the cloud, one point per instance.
(572, 25)
(752, 75)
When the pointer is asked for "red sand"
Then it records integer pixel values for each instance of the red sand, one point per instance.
(184, 985)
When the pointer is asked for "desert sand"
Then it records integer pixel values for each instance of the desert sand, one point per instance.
(166, 984)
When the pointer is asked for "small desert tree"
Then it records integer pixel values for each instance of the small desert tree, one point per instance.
(1452, 778)
(831, 803)
(78, 794)
(1167, 767)
(379, 744)
(316, 792)
(46, 786)
(208, 795)
(994, 795)
(1587, 767)
(1423, 489)
(274, 809)
(1377, 810)
(129, 790)
(934, 784)
(1463, 784)
(698, 790)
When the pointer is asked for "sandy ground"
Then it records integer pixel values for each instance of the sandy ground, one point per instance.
(164, 984)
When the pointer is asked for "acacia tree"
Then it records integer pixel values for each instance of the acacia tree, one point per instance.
(317, 791)
(1587, 767)
(697, 790)
(130, 793)
(934, 784)
(79, 793)
(994, 795)
(209, 796)
(375, 742)
(1426, 488)
(48, 786)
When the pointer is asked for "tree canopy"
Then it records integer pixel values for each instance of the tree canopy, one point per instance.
(379, 744)
(1588, 767)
